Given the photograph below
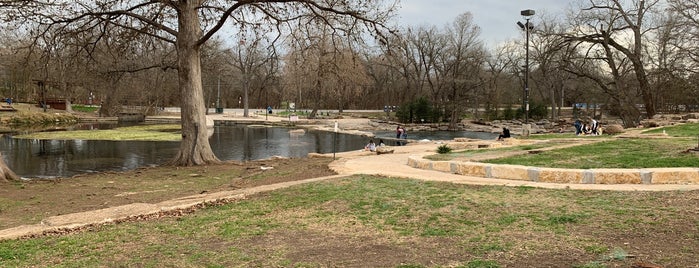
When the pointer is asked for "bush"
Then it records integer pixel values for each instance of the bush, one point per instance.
(650, 124)
(415, 111)
(536, 111)
(444, 149)
(613, 129)
(508, 113)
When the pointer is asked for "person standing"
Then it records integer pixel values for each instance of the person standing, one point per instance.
(399, 132)
(578, 127)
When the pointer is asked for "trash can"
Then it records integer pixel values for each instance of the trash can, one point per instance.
(219, 110)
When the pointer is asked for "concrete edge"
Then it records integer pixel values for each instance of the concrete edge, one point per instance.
(688, 175)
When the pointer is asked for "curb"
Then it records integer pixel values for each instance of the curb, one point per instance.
(559, 175)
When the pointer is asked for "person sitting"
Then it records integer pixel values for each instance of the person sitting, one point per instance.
(381, 144)
(504, 134)
(371, 146)
(586, 129)
(595, 126)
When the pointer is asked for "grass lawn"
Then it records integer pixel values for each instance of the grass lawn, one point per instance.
(367, 221)
(681, 130)
(85, 108)
(597, 153)
(163, 132)
(621, 153)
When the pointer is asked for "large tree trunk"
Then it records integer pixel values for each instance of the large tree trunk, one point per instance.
(109, 106)
(194, 148)
(646, 90)
(5, 173)
(246, 88)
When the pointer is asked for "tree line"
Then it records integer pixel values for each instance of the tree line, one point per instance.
(632, 58)
(636, 58)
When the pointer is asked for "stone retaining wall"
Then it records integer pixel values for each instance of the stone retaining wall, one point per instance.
(559, 175)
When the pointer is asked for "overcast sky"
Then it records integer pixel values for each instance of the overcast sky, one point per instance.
(497, 18)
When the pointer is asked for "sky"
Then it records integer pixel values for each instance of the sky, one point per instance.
(496, 18)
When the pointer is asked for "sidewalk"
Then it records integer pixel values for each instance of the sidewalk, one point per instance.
(395, 165)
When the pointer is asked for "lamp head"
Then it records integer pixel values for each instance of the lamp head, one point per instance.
(527, 12)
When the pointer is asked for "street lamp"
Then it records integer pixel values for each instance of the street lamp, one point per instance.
(527, 27)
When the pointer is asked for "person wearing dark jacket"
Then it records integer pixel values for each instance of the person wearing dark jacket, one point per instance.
(504, 134)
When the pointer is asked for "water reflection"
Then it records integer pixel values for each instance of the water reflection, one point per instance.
(64, 158)
(255, 142)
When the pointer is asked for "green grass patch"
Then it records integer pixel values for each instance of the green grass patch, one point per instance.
(592, 264)
(475, 152)
(280, 227)
(85, 108)
(622, 153)
(681, 130)
(553, 136)
(482, 264)
(165, 132)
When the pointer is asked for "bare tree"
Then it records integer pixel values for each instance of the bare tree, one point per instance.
(15, 66)
(679, 46)
(613, 34)
(496, 79)
(311, 52)
(406, 57)
(350, 78)
(463, 63)
(685, 28)
(550, 58)
(385, 88)
(188, 25)
(253, 58)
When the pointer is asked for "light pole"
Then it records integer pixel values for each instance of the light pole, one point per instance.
(527, 27)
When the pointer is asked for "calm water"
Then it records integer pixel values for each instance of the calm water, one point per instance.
(440, 135)
(64, 158)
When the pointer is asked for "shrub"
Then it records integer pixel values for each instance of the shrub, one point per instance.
(508, 113)
(444, 149)
(650, 124)
(417, 110)
(536, 111)
(613, 129)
